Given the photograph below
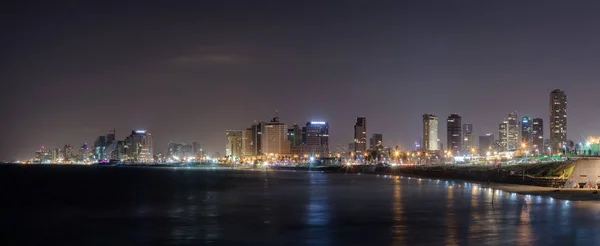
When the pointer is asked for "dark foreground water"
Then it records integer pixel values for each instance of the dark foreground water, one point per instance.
(78, 205)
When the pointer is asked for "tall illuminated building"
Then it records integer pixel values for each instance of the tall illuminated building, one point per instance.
(454, 136)
(68, 153)
(430, 132)
(139, 147)
(537, 135)
(377, 142)
(558, 119)
(468, 141)
(295, 135)
(234, 148)
(248, 144)
(513, 140)
(315, 137)
(503, 135)
(527, 132)
(274, 138)
(360, 135)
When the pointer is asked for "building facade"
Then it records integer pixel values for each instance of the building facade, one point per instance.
(274, 139)
(360, 135)
(527, 132)
(454, 135)
(503, 136)
(468, 141)
(430, 133)
(558, 119)
(315, 135)
(233, 148)
(376, 142)
(139, 147)
(537, 135)
(513, 139)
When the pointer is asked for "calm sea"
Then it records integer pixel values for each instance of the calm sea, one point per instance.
(82, 205)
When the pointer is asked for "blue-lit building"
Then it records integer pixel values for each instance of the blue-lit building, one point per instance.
(527, 132)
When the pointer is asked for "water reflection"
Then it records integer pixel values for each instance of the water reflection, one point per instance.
(317, 211)
(398, 228)
(451, 223)
(524, 231)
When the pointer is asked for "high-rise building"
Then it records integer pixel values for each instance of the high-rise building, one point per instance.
(248, 144)
(233, 149)
(377, 142)
(526, 132)
(68, 153)
(274, 138)
(110, 138)
(360, 135)
(256, 130)
(99, 146)
(503, 135)
(197, 149)
(486, 143)
(468, 141)
(454, 138)
(139, 147)
(537, 135)
(315, 137)
(513, 139)
(558, 119)
(295, 135)
(430, 132)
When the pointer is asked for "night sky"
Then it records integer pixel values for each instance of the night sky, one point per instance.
(189, 70)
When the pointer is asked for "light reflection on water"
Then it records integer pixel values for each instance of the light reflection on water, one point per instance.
(200, 207)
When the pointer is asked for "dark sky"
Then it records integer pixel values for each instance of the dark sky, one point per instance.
(189, 70)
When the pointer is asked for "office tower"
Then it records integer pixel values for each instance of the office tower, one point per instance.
(248, 148)
(255, 144)
(503, 136)
(376, 142)
(360, 135)
(139, 147)
(295, 135)
(486, 143)
(468, 141)
(233, 149)
(274, 138)
(315, 137)
(537, 135)
(454, 138)
(99, 146)
(526, 132)
(512, 139)
(558, 119)
(430, 132)
(68, 152)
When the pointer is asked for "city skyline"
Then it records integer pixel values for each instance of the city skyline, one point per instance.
(190, 71)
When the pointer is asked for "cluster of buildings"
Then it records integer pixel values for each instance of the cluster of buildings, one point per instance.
(525, 134)
(274, 140)
(135, 148)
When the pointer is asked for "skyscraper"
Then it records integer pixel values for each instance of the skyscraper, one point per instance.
(377, 142)
(468, 141)
(503, 135)
(430, 132)
(315, 136)
(360, 135)
(233, 149)
(486, 143)
(512, 138)
(274, 138)
(295, 135)
(454, 138)
(526, 132)
(139, 146)
(68, 152)
(558, 119)
(248, 142)
(537, 135)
